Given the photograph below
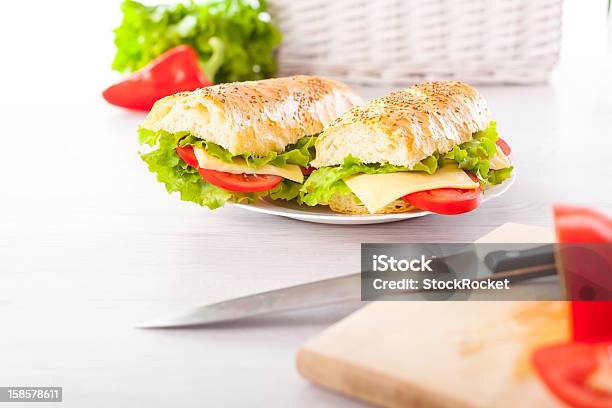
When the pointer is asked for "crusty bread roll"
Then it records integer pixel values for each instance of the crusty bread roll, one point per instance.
(256, 117)
(405, 127)
(349, 204)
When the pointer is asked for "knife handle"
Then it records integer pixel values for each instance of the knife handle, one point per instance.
(502, 261)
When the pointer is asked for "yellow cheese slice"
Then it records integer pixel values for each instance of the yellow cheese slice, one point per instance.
(289, 171)
(377, 190)
(499, 160)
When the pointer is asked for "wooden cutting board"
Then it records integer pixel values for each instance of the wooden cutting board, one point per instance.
(441, 354)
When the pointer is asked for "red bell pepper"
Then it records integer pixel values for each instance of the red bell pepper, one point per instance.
(176, 70)
(580, 372)
(591, 320)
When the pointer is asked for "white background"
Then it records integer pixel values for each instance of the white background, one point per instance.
(91, 245)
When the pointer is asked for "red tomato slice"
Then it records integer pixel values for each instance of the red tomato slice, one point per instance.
(246, 183)
(505, 147)
(187, 155)
(447, 201)
(566, 368)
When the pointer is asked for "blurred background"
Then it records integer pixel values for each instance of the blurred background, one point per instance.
(54, 45)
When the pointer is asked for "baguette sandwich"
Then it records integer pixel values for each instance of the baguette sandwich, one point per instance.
(431, 147)
(240, 141)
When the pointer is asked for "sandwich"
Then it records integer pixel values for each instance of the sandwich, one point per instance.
(431, 147)
(241, 141)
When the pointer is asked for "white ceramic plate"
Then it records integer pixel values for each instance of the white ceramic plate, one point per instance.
(323, 215)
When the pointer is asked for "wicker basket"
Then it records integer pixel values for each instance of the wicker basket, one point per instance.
(395, 43)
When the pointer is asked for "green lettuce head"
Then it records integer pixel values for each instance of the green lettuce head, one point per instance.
(235, 39)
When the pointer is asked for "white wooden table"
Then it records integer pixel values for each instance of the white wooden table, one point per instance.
(90, 244)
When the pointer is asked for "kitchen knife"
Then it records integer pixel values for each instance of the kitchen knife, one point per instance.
(515, 266)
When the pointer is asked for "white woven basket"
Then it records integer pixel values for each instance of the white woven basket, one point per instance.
(394, 42)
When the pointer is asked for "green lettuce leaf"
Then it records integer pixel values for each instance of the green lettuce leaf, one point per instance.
(300, 153)
(234, 39)
(323, 183)
(473, 156)
(286, 190)
(179, 177)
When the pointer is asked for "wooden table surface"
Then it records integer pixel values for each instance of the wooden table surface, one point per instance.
(90, 245)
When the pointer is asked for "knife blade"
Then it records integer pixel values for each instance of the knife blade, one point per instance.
(331, 291)
(528, 264)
